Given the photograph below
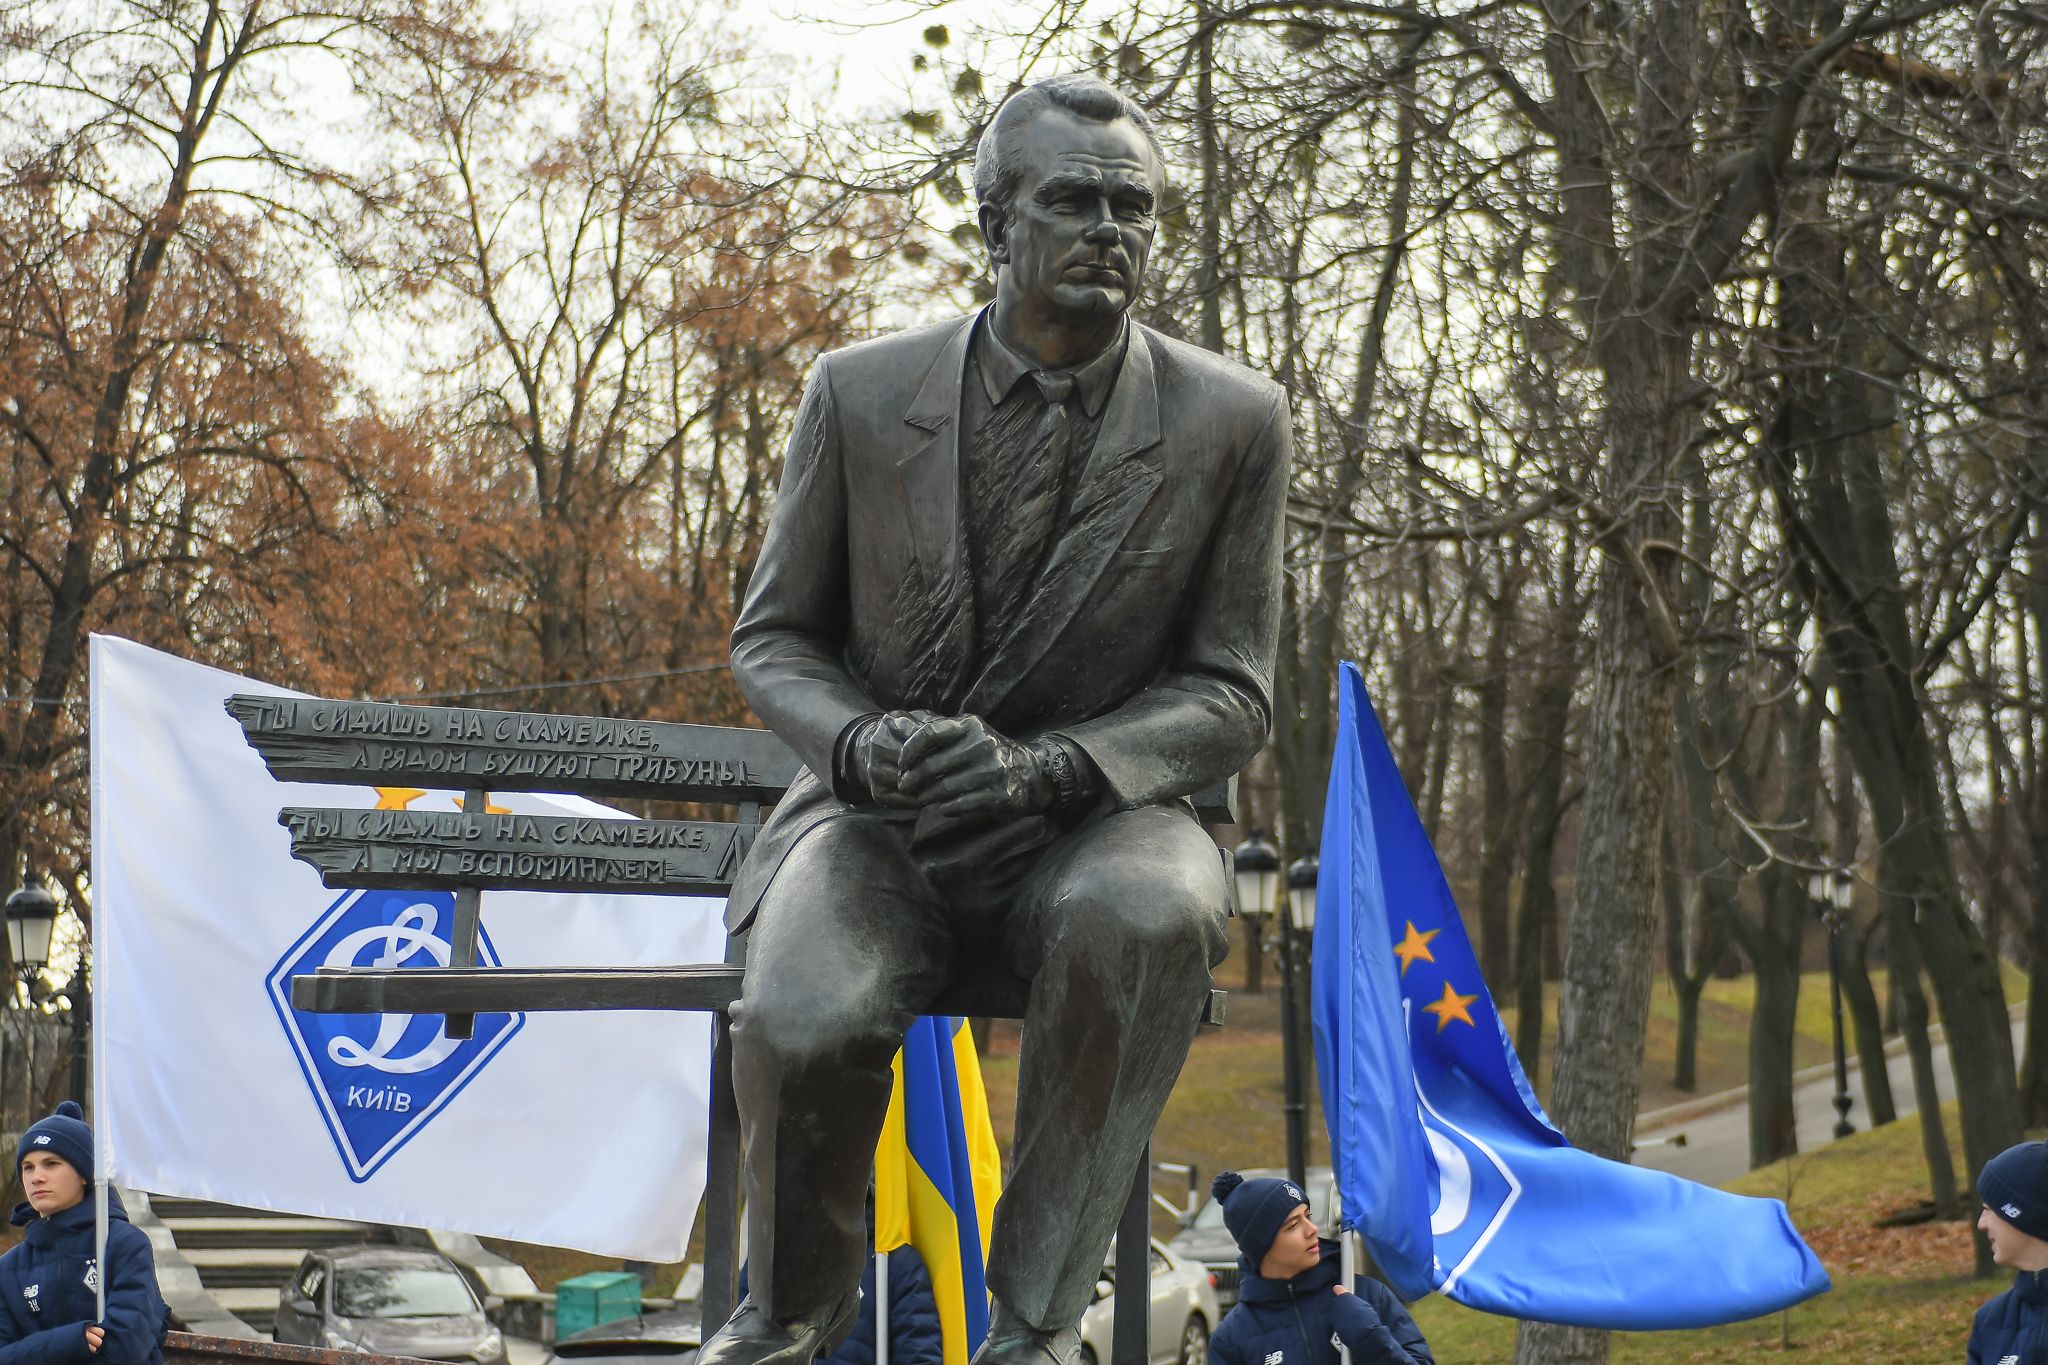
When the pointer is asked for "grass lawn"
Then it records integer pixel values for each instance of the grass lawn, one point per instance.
(1901, 1295)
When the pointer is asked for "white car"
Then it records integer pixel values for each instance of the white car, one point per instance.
(1183, 1315)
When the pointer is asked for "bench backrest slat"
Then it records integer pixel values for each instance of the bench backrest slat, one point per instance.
(451, 748)
(306, 739)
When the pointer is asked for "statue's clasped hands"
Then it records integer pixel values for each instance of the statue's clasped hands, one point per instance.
(954, 765)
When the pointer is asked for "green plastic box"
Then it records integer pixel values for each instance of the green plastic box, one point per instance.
(601, 1296)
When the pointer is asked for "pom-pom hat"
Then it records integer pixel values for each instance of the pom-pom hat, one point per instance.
(1254, 1210)
(2014, 1185)
(65, 1133)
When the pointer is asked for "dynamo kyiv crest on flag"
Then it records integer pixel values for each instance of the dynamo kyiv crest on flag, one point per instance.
(1448, 1166)
(381, 1078)
(201, 918)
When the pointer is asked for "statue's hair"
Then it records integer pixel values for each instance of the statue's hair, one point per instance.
(996, 172)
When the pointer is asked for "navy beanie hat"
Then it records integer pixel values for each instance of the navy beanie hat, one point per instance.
(1253, 1210)
(2014, 1185)
(65, 1133)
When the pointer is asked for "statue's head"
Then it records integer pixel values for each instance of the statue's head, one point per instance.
(1069, 176)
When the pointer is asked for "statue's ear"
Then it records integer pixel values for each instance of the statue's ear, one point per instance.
(995, 233)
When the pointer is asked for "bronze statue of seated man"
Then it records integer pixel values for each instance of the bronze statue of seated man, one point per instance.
(1017, 601)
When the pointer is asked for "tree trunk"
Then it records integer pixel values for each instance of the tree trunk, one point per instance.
(2034, 1087)
(1860, 1000)
(1536, 917)
(1713, 874)
(1905, 969)
(1499, 827)
(1773, 1129)
(1611, 937)
(1682, 902)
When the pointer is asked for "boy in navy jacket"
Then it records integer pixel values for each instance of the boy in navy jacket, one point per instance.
(1291, 1310)
(49, 1311)
(2012, 1329)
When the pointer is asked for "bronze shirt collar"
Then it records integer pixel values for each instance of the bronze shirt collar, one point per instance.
(1002, 369)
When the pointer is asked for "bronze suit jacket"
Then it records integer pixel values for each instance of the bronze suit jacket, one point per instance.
(1149, 642)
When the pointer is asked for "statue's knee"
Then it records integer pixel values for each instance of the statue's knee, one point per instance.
(816, 1023)
(1115, 907)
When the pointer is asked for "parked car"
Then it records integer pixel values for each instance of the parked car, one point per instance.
(1206, 1241)
(669, 1338)
(1184, 1313)
(389, 1300)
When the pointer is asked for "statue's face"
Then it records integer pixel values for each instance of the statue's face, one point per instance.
(1074, 243)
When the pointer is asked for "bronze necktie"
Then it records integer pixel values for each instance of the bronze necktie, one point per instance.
(1016, 482)
(1046, 465)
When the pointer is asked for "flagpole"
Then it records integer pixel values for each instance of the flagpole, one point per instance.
(1347, 1262)
(99, 1249)
(1290, 1053)
(881, 1308)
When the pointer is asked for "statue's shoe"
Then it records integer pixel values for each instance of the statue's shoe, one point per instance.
(750, 1338)
(1011, 1342)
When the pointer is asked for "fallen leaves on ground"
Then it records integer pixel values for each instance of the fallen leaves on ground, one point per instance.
(1856, 1246)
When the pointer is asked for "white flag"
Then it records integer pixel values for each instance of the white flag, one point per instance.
(582, 1130)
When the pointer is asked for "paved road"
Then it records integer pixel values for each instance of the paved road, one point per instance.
(1716, 1146)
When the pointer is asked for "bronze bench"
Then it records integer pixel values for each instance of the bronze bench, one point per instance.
(468, 852)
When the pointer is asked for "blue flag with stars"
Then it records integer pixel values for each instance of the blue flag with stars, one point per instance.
(1446, 1163)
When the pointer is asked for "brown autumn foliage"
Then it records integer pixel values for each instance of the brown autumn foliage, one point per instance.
(242, 516)
(545, 512)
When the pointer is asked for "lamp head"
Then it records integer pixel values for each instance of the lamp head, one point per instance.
(1302, 876)
(31, 922)
(1257, 866)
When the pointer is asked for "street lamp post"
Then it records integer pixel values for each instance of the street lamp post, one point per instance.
(1296, 928)
(80, 995)
(31, 922)
(1830, 894)
(1259, 895)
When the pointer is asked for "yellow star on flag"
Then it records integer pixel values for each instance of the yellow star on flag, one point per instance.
(397, 798)
(1452, 1006)
(1415, 945)
(489, 807)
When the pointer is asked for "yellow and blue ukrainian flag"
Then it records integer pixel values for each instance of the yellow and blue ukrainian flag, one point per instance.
(938, 1172)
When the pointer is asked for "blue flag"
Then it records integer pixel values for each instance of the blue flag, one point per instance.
(1447, 1164)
